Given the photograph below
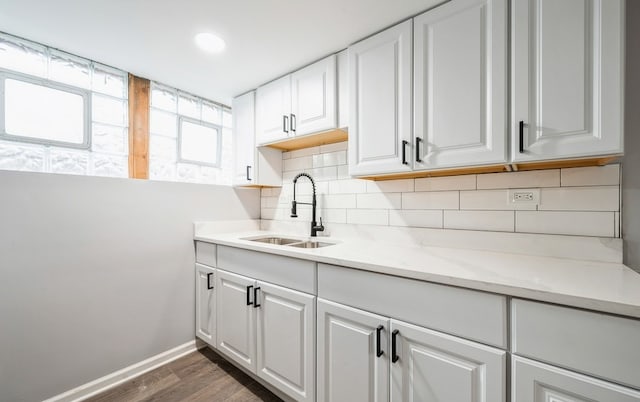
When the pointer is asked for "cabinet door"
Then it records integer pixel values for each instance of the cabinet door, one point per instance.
(349, 368)
(537, 382)
(236, 329)
(460, 67)
(313, 97)
(244, 139)
(434, 367)
(567, 78)
(286, 340)
(205, 304)
(380, 102)
(273, 106)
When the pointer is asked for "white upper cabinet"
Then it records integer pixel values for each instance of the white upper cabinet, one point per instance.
(273, 107)
(300, 103)
(252, 166)
(380, 102)
(567, 85)
(313, 98)
(460, 71)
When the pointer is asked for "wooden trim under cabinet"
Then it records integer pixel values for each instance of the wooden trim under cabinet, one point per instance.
(310, 140)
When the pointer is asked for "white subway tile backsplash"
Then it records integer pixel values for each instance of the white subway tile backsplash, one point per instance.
(528, 179)
(416, 218)
(297, 164)
(573, 201)
(390, 186)
(605, 198)
(497, 221)
(490, 200)
(368, 216)
(337, 200)
(591, 176)
(434, 200)
(352, 186)
(467, 182)
(379, 200)
(338, 146)
(566, 222)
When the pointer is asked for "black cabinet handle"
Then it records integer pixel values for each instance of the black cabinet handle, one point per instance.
(394, 354)
(404, 152)
(418, 139)
(209, 281)
(285, 120)
(379, 351)
(255, 297)
(249, 302)
(521, 136)
(248, 167)
(293, 122)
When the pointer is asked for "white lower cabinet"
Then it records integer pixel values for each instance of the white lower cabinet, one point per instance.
(537, 382)
(206, 304)
(366, 357)
(270, 331)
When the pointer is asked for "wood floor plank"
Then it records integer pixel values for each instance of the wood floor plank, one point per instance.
(201, 376)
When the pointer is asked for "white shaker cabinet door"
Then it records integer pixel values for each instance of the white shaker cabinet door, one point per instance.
(286, 340)
(206, 304)
(380, 102)
(236, 332)
(538, 382)
(244, 139)
(353, 354)
(434, 367)
(313, 97)
(460, 98)
(567, 59)
(273, 109)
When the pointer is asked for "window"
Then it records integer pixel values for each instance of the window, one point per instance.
(190, 138)
(60, 113)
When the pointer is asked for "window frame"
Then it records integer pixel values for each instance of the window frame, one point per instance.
(218, 128)
(84, 93)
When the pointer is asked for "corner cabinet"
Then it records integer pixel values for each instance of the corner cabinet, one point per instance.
(253, 166)
(568, 63)
(380, 102)
(460, 71)
(300, 103)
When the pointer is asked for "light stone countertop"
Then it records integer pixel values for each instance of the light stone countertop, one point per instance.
(607, 287)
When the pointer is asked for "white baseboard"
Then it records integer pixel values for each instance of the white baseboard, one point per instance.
(111, 380)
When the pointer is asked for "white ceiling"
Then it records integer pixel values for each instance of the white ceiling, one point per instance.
(154, 38)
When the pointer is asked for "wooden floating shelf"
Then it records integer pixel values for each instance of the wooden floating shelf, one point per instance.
(310, 140)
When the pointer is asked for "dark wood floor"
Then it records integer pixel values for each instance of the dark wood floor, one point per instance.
(199, 376)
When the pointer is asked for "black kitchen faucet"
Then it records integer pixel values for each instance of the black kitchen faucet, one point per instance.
(315, 228)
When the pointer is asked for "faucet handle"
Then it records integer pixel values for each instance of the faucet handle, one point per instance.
(320, 226)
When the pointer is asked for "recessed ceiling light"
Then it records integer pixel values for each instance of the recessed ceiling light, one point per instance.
(209, 42)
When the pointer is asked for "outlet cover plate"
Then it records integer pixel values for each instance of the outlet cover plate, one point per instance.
(524, 196)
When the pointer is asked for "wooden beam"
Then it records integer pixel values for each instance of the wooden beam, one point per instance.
(139, 99)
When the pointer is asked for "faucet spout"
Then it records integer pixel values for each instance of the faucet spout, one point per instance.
(315, 227)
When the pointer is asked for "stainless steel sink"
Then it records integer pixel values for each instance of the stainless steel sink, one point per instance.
(276, 240)
(310, 244)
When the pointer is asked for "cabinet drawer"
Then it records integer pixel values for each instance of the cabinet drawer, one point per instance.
(285, 271)
(466, 313)
(206, 253)
(594, 343)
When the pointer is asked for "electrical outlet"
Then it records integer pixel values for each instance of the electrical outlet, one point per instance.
(524, 196)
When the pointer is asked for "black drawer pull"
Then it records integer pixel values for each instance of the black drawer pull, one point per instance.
(255, 297)
(209, 286)
(418, 139)
(379, 351)
(285, 119)
(248, 177)
(249, 302)
(394, 354)
(404, 152)
(521, 137)
(293, 122)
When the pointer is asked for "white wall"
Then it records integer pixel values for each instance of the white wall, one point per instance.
(97, 274)
(631, 163)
